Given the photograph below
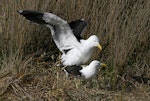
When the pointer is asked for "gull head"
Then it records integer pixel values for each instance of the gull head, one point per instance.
(96, 63)
(94, 41)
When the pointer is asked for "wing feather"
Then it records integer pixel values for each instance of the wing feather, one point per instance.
(78, 27)
(60, 29)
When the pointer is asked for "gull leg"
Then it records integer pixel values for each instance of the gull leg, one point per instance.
(67, 74)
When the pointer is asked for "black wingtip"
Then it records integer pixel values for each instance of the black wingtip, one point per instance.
(20, 11)
(33, 16)
(23, 12)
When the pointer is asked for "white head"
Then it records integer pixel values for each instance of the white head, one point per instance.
(95, 63)
(91, 69)
(94, 41)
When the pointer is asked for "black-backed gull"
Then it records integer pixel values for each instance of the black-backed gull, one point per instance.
(84, 72)
(67, 36)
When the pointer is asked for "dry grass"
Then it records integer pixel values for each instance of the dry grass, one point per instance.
(27, 74)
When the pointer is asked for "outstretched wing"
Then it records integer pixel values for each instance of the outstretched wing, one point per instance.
(78, 26)
(60, 29)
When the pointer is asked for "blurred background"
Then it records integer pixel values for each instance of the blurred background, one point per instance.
(28, 54)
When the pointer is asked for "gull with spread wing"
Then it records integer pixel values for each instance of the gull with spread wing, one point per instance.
(67, 36)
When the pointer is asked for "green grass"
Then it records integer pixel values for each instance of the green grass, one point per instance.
(123, 28)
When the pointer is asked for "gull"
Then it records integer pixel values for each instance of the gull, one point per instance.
(67, 36)
(84, 72)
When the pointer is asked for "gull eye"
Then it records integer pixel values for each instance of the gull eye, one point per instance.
(94, 40)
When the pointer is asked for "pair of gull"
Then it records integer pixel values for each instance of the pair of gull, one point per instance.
(76, 51)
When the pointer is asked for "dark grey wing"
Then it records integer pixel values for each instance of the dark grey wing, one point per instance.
(74, 70)
(78, 26)
(60, 29)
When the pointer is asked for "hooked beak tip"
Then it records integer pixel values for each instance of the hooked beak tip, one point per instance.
(100, 47)
(103, 65)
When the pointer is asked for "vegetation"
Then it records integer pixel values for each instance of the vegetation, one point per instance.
(28, 55)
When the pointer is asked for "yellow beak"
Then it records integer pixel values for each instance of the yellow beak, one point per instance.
(99, 46)
(103, 65)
